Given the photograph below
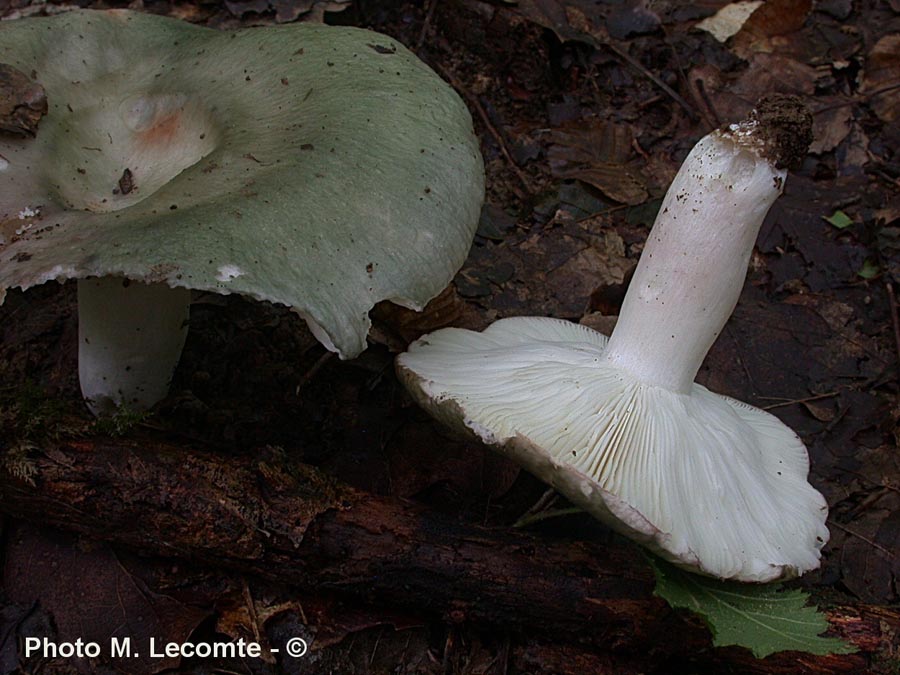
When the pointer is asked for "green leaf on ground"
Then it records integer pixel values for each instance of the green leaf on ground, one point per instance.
(763, 618)
(839, 219)
(869, 270)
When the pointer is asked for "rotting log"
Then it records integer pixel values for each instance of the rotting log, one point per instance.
(287, 522)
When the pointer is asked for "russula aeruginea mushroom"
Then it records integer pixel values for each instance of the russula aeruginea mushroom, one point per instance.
(618, 426)
(323, 168)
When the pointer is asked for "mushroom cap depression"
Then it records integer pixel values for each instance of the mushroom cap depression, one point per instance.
(323, 168)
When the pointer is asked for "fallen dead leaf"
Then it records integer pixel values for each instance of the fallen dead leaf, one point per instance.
(752, 360)
(853, 153)
(824, 412)
(22, 102)
(579, 20)
(773, 19)
(599, 266)
(729, 20)
(888, 241)
(890, 212)
(870, 539)
(333, 620)
(396, 326)
(882, 78)
(596, 152)
(631, 19)
(94, 597)
(732, 98)
(287, 11)
(771, 73)
(242, 616)
(831, 124)
(14, 621)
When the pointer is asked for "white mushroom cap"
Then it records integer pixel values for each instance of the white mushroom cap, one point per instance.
(707, 482)
(619, 426)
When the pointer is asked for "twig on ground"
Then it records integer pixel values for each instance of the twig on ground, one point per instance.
(837, 418)
(315, 368)
(861, 537)
(528, 520)
(482, 113)
(708, 104)
(886, 486)
(426, 25)
(859, 98)
(792, 401)
(705, 105)
(638, 66)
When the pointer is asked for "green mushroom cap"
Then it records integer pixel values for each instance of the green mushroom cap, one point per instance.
(323, 168)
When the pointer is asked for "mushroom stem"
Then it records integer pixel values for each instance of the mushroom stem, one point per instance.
(693, 266)
(709, 483)
(130, 337)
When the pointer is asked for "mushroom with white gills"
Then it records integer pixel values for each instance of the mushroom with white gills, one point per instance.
(323, 168)
(618, 426)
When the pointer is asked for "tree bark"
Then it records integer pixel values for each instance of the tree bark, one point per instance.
(287, 522)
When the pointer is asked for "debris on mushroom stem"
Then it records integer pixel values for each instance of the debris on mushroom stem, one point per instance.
(782, 126)
(692, 268)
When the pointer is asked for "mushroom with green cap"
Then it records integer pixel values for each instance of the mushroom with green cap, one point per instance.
(618, 425)
(323, 168)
